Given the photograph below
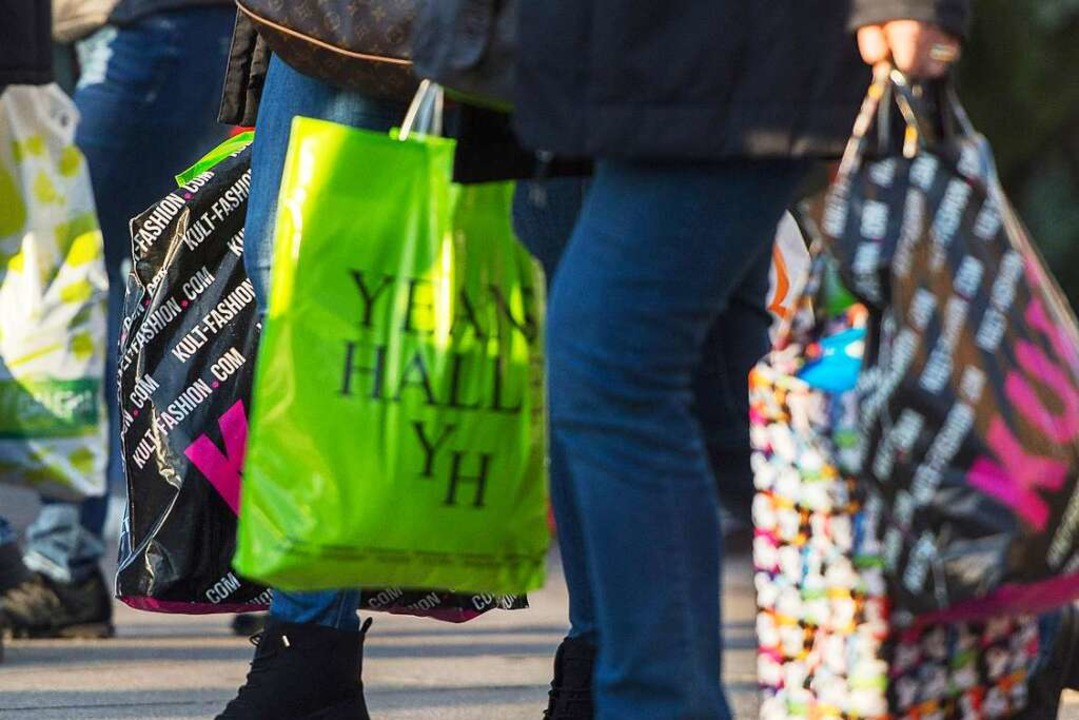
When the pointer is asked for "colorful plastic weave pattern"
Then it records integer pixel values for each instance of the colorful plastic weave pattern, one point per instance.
(826, 649)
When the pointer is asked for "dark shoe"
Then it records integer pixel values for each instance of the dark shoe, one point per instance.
(12, 569)
(248, 624)
(1060, 673)
(303, 671)
(42, 608)
(571, 690)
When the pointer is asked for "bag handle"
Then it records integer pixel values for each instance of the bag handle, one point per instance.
(888, 86)
(858, 145)
(892, 88)
(425, 114)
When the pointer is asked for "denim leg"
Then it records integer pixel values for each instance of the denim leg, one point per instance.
(12, 569)
(58, 546)
(721, 392)
(7, 533)
(658, 255)
(1049, 626)
(287, 94)
(331, 608)
(148, 99)
(544, 216)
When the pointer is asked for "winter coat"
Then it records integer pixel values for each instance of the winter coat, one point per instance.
(698, 79)
(25, 42)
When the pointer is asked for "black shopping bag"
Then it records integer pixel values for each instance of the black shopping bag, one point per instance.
(186, 370)
(969, 398)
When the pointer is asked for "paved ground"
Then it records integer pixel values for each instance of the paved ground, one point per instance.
(186, 668)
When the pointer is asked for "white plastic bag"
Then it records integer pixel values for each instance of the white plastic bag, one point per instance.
(53, 301)
(790, 270)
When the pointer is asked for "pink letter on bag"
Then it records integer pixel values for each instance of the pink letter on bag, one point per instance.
(223, 470)
(1016, 483)
(1060, 428)
(1039, 320)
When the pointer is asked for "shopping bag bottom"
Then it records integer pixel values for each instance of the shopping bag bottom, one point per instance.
(296, 566)
(148, 604)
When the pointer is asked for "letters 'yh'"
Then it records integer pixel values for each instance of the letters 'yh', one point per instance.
(475, 380)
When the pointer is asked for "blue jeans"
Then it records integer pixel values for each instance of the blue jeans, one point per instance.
(7, 533)
(148, 97)
(544, 217)
(662, 256)
(287, 94)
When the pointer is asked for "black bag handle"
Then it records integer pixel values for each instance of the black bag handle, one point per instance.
(893, 90)
(875, 111)
(891, 87)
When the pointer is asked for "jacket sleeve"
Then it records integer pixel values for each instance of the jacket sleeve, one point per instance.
(952, 15)
(25, 43)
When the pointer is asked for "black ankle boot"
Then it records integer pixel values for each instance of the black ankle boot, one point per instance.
(303, 671)
(12, 570)
(1061, 672)
(248, 624)
(571, 689)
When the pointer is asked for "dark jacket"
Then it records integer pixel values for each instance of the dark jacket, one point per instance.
(487, 149)
(128, 11)
(25, 42)
(698, 79)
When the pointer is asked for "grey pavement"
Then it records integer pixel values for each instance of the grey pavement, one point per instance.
(162, 667)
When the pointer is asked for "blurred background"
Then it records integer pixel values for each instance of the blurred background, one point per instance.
(1019, 80)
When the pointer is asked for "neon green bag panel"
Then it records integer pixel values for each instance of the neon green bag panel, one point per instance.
(398, 425)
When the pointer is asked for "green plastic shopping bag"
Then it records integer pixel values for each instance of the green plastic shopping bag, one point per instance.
(398, 423)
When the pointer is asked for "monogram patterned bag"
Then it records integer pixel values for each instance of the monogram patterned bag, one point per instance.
(358, 45)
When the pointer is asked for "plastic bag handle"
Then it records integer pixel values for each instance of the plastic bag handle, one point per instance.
(891, 88)
(858, 145)
(953, 118)
(424, 116)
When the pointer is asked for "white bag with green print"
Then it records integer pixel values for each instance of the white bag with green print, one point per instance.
(53, 424)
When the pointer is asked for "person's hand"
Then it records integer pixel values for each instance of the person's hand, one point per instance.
(918, 49)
